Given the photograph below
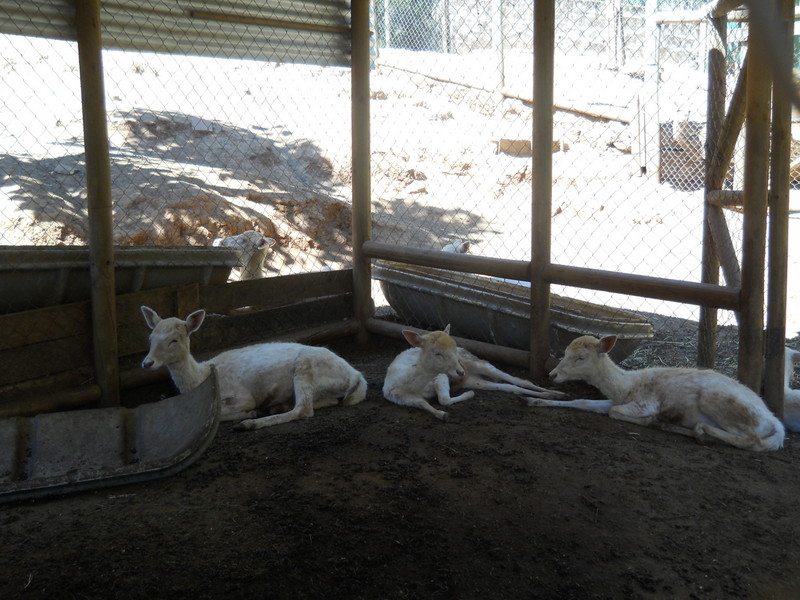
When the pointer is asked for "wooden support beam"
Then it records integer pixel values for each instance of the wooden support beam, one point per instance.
(362, 191)
(542, 188)
(98, 191)
(701, 294)
(464, 263)
(716, 30)
(751, 321)
(719, 162)
(729, 132)
(778, 199)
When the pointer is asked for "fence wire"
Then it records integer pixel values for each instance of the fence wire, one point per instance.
(452, 123)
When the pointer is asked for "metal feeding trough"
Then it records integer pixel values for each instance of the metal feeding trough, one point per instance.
(39, 276)
(498, 311)
(58, 453)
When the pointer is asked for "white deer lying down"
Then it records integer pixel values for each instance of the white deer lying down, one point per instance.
(253, 247)
(791, 397)
(435, 363)
(687, 401)
(262, 376)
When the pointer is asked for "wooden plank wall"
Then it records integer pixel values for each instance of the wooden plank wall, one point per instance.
(41, 360)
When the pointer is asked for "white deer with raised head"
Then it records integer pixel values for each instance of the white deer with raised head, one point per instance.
(260, 378)
(435, 365)
(683, 400)
(253, 247)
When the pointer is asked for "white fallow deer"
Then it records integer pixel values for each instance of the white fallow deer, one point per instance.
(457, 247)
(683, 400)
(791, 397)
(253, 247)
(256, 379)
(435, 365)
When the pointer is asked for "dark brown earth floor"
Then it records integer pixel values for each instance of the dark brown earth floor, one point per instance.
(378, 501)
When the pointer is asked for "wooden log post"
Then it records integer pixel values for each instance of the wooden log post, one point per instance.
(542, 188)
(778, 200)
(715, 116)
(751, 322)
(98, 191)
(362, 193)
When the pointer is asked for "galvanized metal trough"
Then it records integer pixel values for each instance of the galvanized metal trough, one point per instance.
(59, 453)
(498, 311)
(39, 276)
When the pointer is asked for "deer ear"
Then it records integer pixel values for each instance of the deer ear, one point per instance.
(194, 320)
(413, 338)
(607, 343)
(150, 317)
(447, 329)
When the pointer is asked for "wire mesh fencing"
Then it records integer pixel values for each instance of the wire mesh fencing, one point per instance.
(452, 132)
(201, 149)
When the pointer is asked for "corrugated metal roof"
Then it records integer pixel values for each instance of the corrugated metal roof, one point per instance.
(304, 31)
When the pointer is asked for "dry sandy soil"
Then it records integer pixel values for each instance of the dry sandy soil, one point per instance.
(380, 501)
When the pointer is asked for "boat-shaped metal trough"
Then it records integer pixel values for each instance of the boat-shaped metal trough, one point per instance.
(493, 310)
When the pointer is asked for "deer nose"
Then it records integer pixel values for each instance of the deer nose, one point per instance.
(147, 364)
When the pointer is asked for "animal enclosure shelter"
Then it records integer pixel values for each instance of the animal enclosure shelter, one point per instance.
(599, 168)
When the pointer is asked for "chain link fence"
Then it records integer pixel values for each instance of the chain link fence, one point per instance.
(452, 126)
(201, 148)
(212, 137)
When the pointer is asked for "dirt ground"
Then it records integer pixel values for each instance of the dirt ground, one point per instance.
(379, 501)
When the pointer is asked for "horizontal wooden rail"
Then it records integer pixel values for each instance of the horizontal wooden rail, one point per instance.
(726, 198)
(702, 294)
(464, 263)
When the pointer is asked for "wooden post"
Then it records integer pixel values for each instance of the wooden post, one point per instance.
(751, 322)
(715, 116)
(98, 191)
(362, 194)
(780, 180)
(542, 188)
(648, 113)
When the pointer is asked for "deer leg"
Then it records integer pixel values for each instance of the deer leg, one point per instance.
(482, 368)
(234, 409)
(747, 442)
(304, 391)
(475, 382)
(442, 386)
(596, 406)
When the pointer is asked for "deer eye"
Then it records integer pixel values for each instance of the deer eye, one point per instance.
(173, 342)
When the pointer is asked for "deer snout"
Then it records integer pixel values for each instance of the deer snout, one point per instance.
(148, 363)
